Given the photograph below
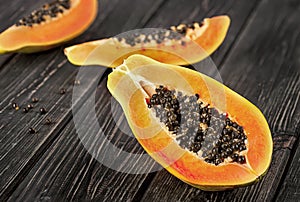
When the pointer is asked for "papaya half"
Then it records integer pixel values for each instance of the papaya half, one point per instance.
(49, 26)
(180, 45)
(201, 131)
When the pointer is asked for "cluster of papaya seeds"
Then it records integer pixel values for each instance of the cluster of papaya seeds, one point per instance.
(218, 144)
(197, 128)
(180, 45)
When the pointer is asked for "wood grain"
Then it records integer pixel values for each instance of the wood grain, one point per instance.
(67, 171)
(266, 60)
(259, 59)
(43, 75)
(163, 186)
(289, 189)
(98, 190)
(10, 13)
(188, 11)
(14, 10)
(26, 76)
(263, 67)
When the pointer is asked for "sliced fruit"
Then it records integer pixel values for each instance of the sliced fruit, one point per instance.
(49, 26)
(198, 129)
(181, 45)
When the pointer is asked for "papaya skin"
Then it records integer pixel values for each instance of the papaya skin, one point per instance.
(127, 84)
(47, 35)
(199, 43)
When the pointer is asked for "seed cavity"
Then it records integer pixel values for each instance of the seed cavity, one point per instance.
(47, 12)
(178, 33)
(149, 36)
(198, 127)
(184, 28)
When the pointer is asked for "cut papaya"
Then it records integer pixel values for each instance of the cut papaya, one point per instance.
(49, 26)
(201, 131)
(181, 45)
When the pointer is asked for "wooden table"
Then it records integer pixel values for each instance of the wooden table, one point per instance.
(259, 59)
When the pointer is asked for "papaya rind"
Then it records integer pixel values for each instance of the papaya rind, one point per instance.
(51, 34)
(133, 62)
(111, 53)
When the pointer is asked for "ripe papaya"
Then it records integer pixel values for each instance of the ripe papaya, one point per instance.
(180, 45)
(49, 26)
(201, 131)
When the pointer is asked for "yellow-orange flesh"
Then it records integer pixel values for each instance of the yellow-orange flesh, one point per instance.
(195, 45)
(45, 35)
(126, 85)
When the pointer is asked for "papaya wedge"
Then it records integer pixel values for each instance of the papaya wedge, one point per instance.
(141, 84)
(181, 45)
(49, 26)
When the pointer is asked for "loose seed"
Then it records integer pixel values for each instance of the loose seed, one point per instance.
(43, 111)
(25, 110)
(29, 106)
(63, 91)
(48, 121)
(34, 100)
(32, 130)
(15, 106)
(77, 82)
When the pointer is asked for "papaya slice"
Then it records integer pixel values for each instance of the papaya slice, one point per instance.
(49, 26)
(181, 45)
(201, 131)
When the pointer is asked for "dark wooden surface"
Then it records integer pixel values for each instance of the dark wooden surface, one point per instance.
(259, 59)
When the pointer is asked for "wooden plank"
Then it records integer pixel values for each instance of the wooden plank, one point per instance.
(263, 66)
(11, 12)
(196, 10)
(42, 75)
(68, 172)
(14, 10)
(113, 25)
(37, 75)
(268, 63)
(289, 189)
(115, 184)
(163, 186)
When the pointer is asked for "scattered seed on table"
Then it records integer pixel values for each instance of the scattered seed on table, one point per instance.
(43, 110)
(25, 109)
(77, 82)
(32, 130)
(35, 100)
(48, 121)
(63, 91)
(15, 106)
(29, 106)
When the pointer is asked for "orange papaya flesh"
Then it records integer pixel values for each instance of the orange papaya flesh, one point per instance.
(130, 83)
(49, 26)
(182, 45)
